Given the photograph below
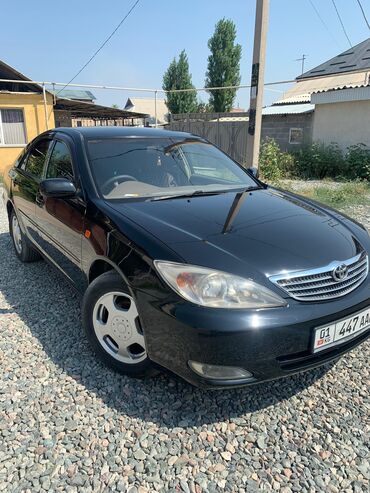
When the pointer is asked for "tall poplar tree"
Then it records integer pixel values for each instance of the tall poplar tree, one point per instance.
(223, 65)
(178, 76)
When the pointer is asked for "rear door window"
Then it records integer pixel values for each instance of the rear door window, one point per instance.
(36, 158)
(22, 158)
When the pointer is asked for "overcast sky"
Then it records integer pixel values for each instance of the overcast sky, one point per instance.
(52, 40)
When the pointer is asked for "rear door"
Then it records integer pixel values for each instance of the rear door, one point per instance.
(60, 221)
(26, 177)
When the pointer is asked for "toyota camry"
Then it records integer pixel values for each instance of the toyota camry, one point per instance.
(187, 261)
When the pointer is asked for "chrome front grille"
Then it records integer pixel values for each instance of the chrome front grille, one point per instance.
(325, 283)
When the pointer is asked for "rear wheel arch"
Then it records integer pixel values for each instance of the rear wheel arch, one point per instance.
(23, 249)
(9, 208)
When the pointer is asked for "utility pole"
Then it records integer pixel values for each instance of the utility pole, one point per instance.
(304, 57)
(257, 81)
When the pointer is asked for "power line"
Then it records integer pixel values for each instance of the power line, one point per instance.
(141, 89)
(323, 22)
(363, 13)
(341, 22)
(101, 46)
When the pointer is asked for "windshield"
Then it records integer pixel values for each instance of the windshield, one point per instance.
(127, 168)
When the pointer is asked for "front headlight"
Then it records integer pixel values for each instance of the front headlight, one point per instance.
(208, 287)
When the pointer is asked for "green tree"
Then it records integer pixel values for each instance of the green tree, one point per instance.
(203, 107)
(177, 76)
(223, 65)
(115, 106)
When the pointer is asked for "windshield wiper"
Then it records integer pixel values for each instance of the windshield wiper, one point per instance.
(254, 187)
(199, 193)
(189, 194)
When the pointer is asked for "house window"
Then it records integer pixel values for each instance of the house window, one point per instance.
(12, 130)
(296, 136)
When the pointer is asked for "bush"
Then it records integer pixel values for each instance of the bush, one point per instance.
(288, 165)
(320, 161)
(270, 161)
(314, 161)
(358, 162)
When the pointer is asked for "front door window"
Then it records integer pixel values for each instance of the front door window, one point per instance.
(60, 162)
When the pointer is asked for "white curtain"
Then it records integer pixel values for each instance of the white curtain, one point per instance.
(13, 127)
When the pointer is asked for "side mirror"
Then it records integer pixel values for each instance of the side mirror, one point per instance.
(253, 171)
(57, 188)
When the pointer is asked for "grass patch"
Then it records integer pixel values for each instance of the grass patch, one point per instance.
(337, 195)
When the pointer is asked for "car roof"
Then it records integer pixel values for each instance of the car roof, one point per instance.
(114, 132)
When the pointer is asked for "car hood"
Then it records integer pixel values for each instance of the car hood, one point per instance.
(259, 233)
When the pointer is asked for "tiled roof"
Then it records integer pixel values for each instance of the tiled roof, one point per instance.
(301, 91)
(8, 72)
(355, 59)
(79, 95)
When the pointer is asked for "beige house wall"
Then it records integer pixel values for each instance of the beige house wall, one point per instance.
(346, 123)
(32, 105)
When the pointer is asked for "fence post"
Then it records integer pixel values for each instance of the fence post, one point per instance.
(45, 106)
(218, 130)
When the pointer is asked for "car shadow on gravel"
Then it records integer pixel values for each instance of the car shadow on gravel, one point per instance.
(50, 308)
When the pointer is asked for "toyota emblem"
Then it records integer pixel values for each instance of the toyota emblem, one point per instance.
(340, 273)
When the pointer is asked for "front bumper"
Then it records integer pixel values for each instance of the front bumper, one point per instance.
(269, 343)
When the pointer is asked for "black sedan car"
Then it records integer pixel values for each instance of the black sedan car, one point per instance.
(187, 261)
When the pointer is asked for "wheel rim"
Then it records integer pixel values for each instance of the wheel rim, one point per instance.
(117, 327)
(17, 234)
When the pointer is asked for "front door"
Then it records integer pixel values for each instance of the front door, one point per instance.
(60, 221)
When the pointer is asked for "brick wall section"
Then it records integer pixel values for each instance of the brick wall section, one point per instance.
(278, 127)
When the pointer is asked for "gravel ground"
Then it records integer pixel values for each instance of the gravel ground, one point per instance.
(70, 424)
(298, 185)
(359, 212)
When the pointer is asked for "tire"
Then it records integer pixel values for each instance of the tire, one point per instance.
(24, 251)
(112, 326)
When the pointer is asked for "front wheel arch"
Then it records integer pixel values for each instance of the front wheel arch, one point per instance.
(101, 265)
(110, 282)
(97, 268)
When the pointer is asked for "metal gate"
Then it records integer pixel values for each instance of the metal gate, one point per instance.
(226, 130)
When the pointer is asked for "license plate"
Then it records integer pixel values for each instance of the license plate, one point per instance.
(341, 331)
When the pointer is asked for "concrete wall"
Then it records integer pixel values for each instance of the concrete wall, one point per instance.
(346, 123)
(278, 127)
(34, 118)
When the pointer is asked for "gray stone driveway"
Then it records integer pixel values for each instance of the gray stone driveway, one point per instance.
(69, 424)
